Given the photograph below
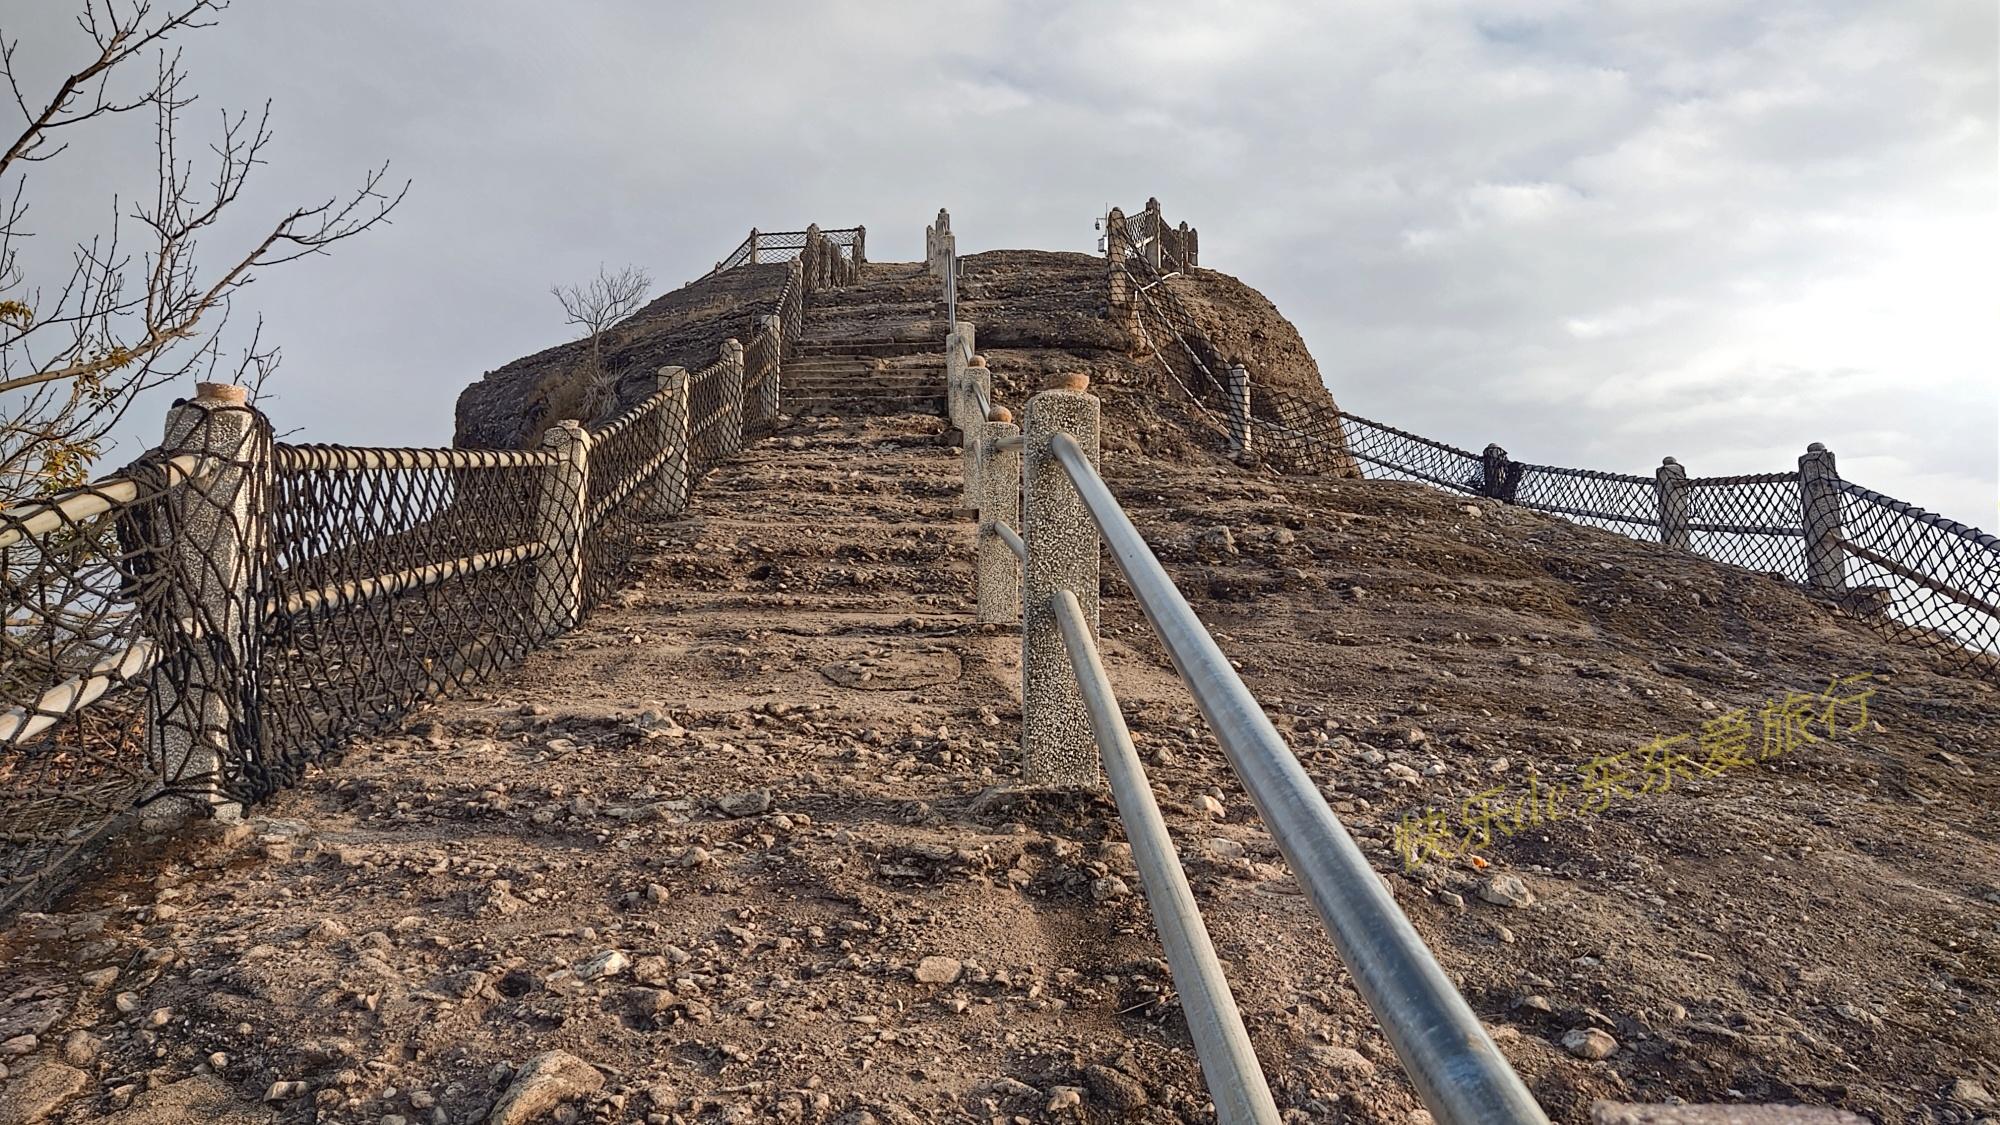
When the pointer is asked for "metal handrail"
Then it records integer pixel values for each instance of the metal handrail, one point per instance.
(1228, 1062)
(1458, 1072)
(1012, 538)
(950, 281)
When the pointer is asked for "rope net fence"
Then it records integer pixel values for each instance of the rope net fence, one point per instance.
(1921, 577)
(1612, 501)
(393, 575)
(72, 747)
(1913, 575)
(1749, 521)
(776, 246)
(194, 632)
(127, 616)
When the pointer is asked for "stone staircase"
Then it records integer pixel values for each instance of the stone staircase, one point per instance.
(874, 347)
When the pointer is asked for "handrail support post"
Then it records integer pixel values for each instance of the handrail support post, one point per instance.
(1056, 743)
(998, 572)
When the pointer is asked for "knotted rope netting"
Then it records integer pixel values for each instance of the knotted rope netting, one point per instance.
(199, 629)
(127, 647)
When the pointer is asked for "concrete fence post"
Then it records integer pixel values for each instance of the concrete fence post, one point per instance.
(1155, 234)
(976, 387)
(732, 398)
(1239, 408)
(207, 617)
(753, 246)
(1670, 492)
(1057, 746)
(1819, 504)
(936, 243)
(772, 328)
(676, 481)
(1123, 303)
(997, 572)
(559, 509)
(958, 351)
(860, 247)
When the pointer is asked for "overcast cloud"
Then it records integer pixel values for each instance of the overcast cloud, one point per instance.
(1594, 232)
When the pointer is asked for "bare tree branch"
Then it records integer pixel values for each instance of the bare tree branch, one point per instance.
(75, 352)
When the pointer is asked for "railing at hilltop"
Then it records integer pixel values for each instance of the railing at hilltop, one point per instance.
(1912, 575)
(781, 245)
(941, 259)
(1164, 247)
(191, 633)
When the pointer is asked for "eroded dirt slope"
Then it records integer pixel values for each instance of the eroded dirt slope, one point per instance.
(750, 845)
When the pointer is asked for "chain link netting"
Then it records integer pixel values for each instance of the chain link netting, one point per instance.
(1921, 578)
(1917, 576)
(1387, 453)
(1748, 521)
(777, 245)
(762, 358)
(1612, 501)
(639, 474)
(212, 620)
(72, 751)
(715, 412)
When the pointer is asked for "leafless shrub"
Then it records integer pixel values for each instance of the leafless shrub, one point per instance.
(595, 306)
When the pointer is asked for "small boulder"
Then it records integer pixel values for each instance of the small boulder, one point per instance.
(1589, 1043)
(938, 970)
(607, 964)
(754, 802)
(1508, 891)
(1116, 1090)
(1217, 540)
(547, 1081)
(82, 1048)
(1970, 1092)
(37, 1091)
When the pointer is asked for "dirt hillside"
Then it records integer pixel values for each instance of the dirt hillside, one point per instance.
(751, 846)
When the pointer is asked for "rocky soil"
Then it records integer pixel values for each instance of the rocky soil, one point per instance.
(752, 844)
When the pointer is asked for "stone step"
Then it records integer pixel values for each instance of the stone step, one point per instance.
(843, 362)
(865, 385)
(861, 388)
(809, 346)
(861, 392)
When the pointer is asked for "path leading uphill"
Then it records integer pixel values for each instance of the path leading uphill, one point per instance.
(750, 845)
(741, 843)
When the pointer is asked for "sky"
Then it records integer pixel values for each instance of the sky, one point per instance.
(1596, 233)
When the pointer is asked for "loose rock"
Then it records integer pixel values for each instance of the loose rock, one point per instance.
(1508, 891)
(1589, 1043)
(938, 970)
(547, 1081)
